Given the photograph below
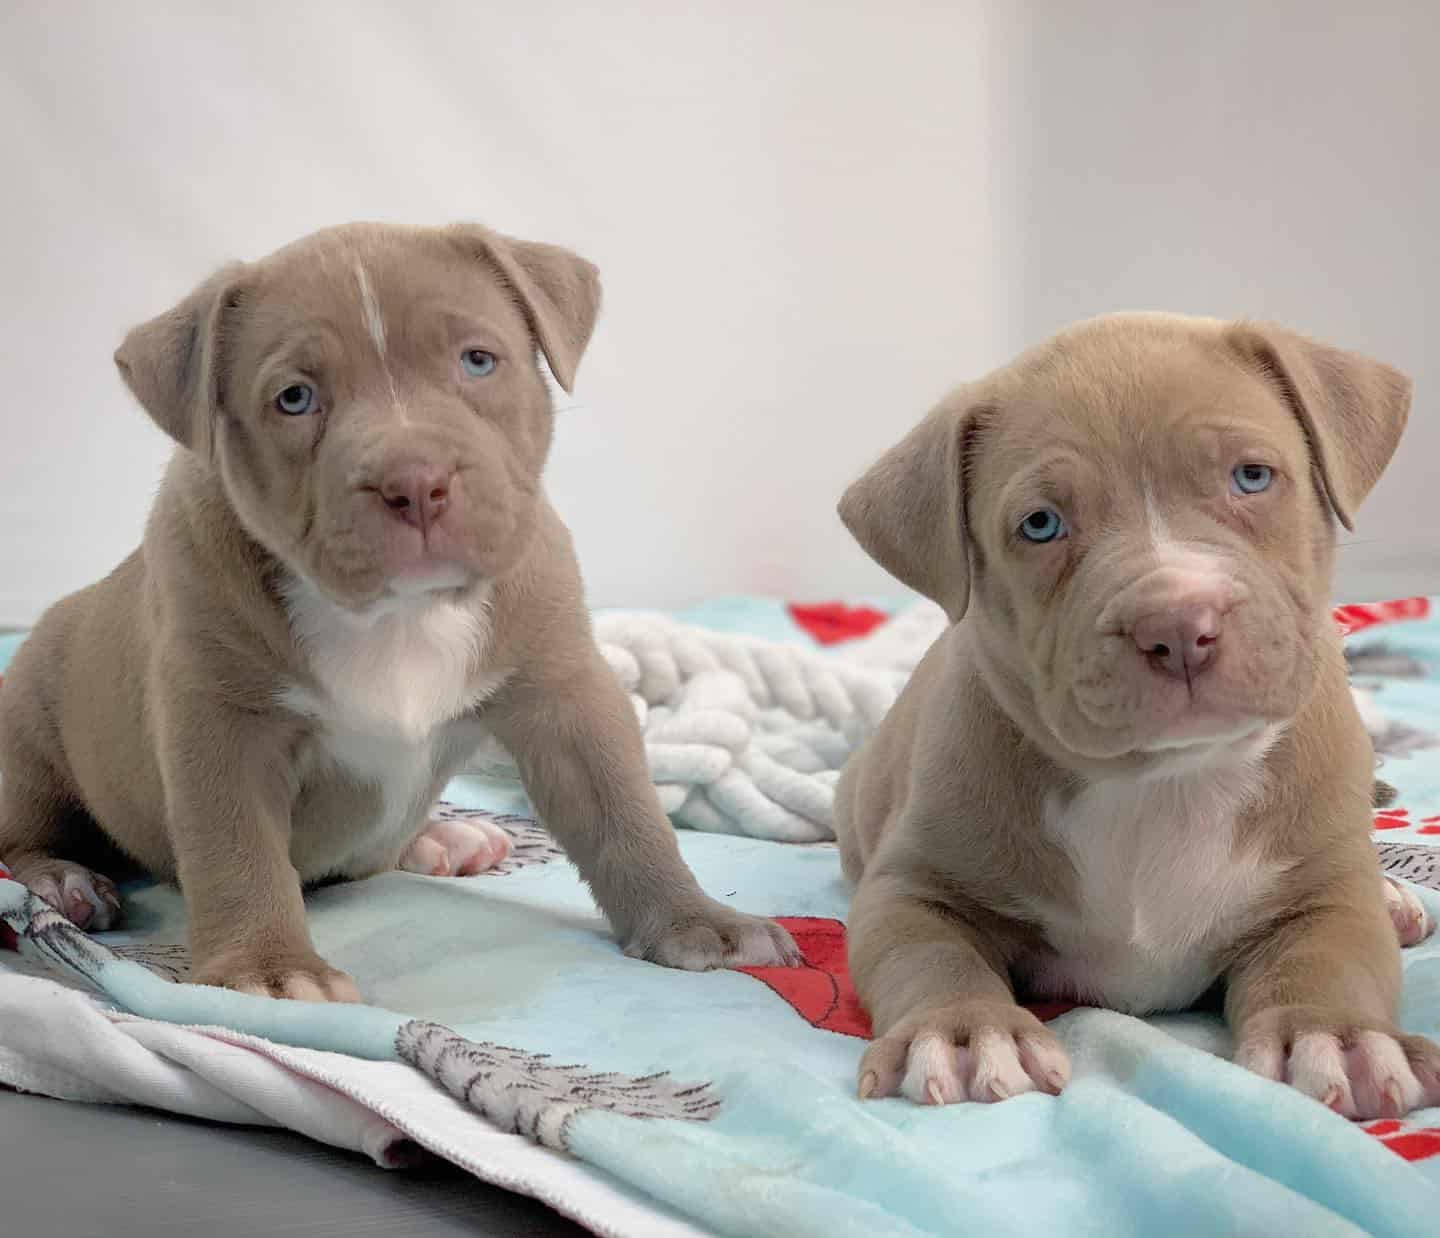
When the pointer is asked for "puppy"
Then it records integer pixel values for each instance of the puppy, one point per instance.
(350, 578)
(1132, 768)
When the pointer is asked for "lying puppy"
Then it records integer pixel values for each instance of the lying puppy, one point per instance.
(1134, 768)
(351, 576)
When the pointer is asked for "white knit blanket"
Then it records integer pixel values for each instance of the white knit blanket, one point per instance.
(748, 736)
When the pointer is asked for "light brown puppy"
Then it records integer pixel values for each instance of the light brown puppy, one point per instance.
(1132, 768)
(351, 576)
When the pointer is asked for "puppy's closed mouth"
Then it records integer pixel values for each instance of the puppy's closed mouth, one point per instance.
(427, 578)
(1217, 743)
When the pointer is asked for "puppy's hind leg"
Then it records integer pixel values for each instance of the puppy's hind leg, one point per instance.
(36, 816)
(89, 900)
(1407, 913)
(458, 847)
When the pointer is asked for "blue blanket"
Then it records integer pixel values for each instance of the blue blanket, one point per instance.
(731, 1096)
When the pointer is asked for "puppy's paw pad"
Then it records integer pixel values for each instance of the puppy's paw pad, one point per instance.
(996, 1070)
(761, 943)
(459, 847)
(715, 936)
(1045, 1062)
(87, 899)
(301, 982)
(965, 1054)
(1360, 1072)
(1317, 1068)
(933, 1072)
(1412, 922)
(1381, 1079)
(426, 857)
(304, 986)
(688, 947)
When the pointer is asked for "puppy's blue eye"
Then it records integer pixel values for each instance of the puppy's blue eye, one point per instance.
(296, 399)
(1250, 478)
(476, 362)
(1044, 525)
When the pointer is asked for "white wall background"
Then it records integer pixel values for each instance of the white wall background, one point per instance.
(811, 217)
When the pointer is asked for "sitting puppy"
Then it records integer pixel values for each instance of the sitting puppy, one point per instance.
(1133, 767)
(350, 578)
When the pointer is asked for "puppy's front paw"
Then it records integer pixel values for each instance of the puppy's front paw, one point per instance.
(300, 977)
(711, 935)
(87, 899)
(981, 1051)
(1358, 1068)
(1412, 922)
(458, 847)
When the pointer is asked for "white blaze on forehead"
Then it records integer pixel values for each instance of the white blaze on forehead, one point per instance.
(1155, 520)
(1197, 568)
(374, 323)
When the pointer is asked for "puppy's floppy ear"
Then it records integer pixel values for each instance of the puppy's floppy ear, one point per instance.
(908, 510)
(174, 363)
(558, 291)
(1353, 409)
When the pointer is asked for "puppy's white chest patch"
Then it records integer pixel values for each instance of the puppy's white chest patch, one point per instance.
(1160, 889)
(398, 673)
(387, 688)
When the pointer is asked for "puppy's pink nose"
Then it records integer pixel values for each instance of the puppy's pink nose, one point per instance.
(418, 495)
(1180, 642)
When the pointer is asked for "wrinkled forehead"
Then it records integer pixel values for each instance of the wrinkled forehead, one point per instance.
(376, 292)
(1124, 415)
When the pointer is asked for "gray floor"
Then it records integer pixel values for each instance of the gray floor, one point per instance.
(97, 1171)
